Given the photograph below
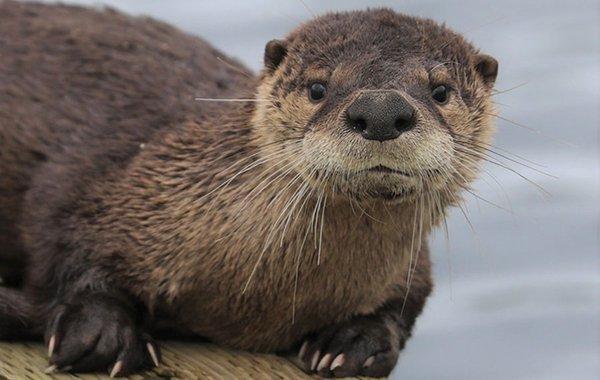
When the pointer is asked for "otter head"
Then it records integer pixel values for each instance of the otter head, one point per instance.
(376, 105)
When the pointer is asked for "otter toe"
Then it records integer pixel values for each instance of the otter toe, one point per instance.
(362, 347)
(98, 335)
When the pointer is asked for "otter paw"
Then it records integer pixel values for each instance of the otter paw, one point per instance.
(365, 346)
(98, 333)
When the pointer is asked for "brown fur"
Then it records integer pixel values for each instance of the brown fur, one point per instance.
(224, 221)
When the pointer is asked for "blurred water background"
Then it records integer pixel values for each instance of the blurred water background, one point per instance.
(517, 296)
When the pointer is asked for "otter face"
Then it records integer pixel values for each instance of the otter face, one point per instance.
(377, 105)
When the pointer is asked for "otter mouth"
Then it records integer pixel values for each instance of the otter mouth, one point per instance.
(386, 170)
(391, 195)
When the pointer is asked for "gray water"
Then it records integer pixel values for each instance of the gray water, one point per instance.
(518, 297)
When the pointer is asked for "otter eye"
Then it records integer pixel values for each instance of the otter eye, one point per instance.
(317, 91)
(440, 94)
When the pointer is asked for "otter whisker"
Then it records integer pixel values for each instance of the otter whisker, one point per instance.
(444, 222)
(272, 231)
(315, 217)
(471, 226)
(442, 64)
(278, 174)
(293, 201)
(412, 268)
(452, 40)
(296, 275)
(303, 194)
(297, 177)
(321, 233)
(233, 67)
(265, 183)
(484, 150)
(310, 194)
(297, 269)
(312, 13)
(538, 186)
(412, 242)
(262, 160)
(322, 180)
(260, 256)
(231, 100)
(367, 214)
(502, 190)
(498, 92)
(466, 188)
(472, 172)
(352, 206)
(534, 130)
(299, 174)
(489, 147)
(241, 171)
(448, 254)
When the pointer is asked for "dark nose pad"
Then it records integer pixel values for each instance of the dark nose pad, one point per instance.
(381, 115)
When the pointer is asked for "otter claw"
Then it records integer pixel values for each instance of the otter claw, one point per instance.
(324, 363)
(315, 360)
(303, 349)
(337, 362)
(51, 369)
(152, 353)
(51, 344)
(369, 362)
(116, 369)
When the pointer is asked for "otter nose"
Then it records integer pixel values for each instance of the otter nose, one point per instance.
(380, 115)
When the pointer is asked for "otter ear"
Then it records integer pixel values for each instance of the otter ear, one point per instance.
(275, 52)
(487, 67)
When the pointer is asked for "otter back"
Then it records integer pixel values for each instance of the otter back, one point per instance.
(99, 83)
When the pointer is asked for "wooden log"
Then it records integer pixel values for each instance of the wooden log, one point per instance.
(181, 360)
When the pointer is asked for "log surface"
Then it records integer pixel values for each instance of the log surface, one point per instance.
(181, 360)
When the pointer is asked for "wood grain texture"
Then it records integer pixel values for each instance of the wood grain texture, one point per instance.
(27, 361)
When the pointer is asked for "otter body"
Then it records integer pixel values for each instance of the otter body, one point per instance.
(128, 208)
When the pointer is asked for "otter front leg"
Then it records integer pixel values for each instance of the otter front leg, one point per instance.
(369, 345)
(99, 331)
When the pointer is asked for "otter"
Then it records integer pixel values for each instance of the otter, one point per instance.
(292, 218)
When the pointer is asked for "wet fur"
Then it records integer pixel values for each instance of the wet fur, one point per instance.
(115, 184)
